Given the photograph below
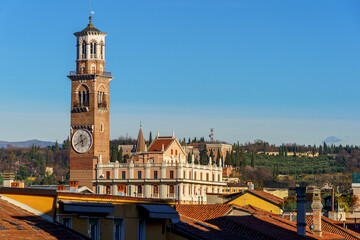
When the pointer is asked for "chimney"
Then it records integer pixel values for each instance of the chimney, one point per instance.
(8, 178)
(300, 205)
(74, 185)
(317, 206)
(61, 188)
(15, 184)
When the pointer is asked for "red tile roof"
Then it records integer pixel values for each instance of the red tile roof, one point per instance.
(156, 145)
(16, 223)
(267, 196)
(213, 222)
(332, 226)
(203, 212)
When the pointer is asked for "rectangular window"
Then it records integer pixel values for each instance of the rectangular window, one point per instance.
(172, 152)
(195, 176)
(176, 152)
(94, 229)
(118, 229)
(201, 176)
(123, 174)
(141, 229)
(139, 174)
(155, 174)
(171, 174)
(107, 174)
(67, 221)
(207, 177)
(184, 175)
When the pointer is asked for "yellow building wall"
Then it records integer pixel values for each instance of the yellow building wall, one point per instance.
(249, 199)
(43, 204)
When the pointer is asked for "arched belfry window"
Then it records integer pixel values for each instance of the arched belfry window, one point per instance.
(83, 96)
(101, 99)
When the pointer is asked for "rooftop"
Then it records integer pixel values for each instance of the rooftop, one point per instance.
(16, 223)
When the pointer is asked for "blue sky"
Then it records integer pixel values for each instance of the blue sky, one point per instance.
(281, 71)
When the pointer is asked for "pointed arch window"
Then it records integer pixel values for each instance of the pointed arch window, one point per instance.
(101, 100)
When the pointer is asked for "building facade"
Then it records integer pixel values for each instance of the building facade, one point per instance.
(89, 130)
(160, 170)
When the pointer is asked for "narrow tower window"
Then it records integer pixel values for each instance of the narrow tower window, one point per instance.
(83, 50)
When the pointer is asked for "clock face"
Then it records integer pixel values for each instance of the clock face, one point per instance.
(81, 141)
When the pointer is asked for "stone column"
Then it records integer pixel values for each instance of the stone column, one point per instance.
(88, 51)
(114, 189)
(163, 191)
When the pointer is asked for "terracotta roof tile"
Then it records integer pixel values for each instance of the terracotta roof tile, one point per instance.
(16, 223)
(203, 212)
(156, 145)
(212, 222)
(268, 196)
(332, 226)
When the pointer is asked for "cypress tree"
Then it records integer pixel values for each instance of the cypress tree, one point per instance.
(150, 137)
(189, 157)
(253, 160)
(204, 156)
(120, 155)
(218, 156)
(242, 157)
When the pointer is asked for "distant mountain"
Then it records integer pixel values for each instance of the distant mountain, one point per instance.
(25, 144)
(332, 140)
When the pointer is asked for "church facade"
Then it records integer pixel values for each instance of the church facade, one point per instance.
(160, 171)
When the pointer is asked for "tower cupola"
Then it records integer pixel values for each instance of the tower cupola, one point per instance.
(90, 50)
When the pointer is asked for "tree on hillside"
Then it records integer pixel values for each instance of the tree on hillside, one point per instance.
(66, 144)
(253, 160)
(227, 159)
(242, 157)
(189, 157)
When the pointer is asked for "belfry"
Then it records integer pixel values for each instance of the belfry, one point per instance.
(89, 130)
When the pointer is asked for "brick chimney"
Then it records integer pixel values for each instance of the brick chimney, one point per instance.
(61, 188)
(300, 206)
(15, 184)
(317, 206)
(74, 186)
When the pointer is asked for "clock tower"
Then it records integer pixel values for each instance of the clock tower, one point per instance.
(89, 130)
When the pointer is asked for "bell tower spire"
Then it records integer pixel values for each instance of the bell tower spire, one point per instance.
(89, 130)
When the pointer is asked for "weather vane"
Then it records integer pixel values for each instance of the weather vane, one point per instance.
(91, 12)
